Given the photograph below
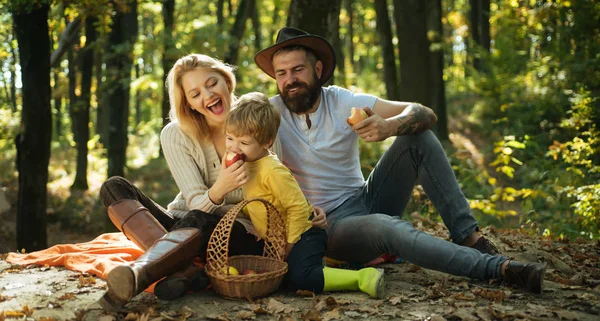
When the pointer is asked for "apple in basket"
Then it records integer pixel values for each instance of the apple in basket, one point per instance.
(356, 115)
(231, 269)
(248, 272)
(231, 157)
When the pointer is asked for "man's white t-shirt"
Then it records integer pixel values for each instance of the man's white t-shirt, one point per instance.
(324, 158)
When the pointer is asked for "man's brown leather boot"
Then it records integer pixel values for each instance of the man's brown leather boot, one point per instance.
(169, 254)
(136, 222)
(526, 276)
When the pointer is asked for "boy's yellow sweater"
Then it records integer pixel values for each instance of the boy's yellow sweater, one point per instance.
(272, 181)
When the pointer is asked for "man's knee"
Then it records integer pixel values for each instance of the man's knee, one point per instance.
(424, 138)
(387, 229)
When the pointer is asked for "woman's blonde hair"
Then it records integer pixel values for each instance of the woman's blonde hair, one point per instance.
(192, 122)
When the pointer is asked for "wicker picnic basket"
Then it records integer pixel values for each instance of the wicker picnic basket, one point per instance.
(270, 266)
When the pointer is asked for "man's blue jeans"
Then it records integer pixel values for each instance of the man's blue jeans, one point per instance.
(369, 224)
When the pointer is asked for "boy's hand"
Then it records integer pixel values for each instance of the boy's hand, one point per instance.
(320, 219)
(228, 180)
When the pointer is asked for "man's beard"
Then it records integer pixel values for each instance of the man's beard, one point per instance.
(302, 102)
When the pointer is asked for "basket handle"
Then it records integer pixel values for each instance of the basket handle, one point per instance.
(217, 255)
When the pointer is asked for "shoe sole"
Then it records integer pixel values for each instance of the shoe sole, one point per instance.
(540, 289)
(380, 284)
(121, 285)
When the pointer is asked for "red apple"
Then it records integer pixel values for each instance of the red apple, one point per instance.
(231, 157)
(248, 271)
(356, 115)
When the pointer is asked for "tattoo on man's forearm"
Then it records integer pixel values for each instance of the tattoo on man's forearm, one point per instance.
(416, 120)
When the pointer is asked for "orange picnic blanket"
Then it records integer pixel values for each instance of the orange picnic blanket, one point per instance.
(96, 257)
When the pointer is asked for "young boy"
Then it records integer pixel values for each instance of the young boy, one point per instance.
(251, 129)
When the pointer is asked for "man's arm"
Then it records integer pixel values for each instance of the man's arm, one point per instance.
(394, 118)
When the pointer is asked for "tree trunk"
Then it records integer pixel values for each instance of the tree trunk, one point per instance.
(73, 106)
(384, 29)
(6, 87)
(220, 15)
(137, 98)
(316, 17)
(237, 32)
(169, 55)
(438, 97)
(485, 32)
(313, 16)
(119, 61)
(58, 102)
(334, 38)
(13, 76)
(275, 19)
(411, 25)
(33, 142)
(83, 105)
(101, 97)
(56, 97)
(475, 16)
(350, 13)
(256, 27)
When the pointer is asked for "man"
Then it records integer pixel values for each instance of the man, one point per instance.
(325, 160)
(321, 150)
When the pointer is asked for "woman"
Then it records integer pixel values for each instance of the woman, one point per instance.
(201, 94)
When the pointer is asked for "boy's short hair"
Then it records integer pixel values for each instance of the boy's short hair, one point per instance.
(255, 116)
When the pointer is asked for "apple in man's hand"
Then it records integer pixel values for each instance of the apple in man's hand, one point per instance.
(356, 115)
(231, 157)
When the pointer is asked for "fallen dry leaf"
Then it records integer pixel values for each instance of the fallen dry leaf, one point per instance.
(259, 310)
(354, 314)
(67, 296)
(464, 314)
(320, 305)
(14, 314)
(275, 307)
(27, 310)
(86, 281)
(54, 305)
(493, 295)
(332, 315)
(311, 315)
(395, 300)
(567, 315)
(245, 315)
(5, 298)
(305, 293)
(218, 317)
(464, 296)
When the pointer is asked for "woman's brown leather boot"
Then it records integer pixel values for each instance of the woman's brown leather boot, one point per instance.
(136, 222)
(169, 254)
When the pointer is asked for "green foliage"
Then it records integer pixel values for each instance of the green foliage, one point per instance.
(538, 101)
(535, 111)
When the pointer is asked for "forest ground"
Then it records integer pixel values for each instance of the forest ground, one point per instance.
(571, 287)
(571, 292)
